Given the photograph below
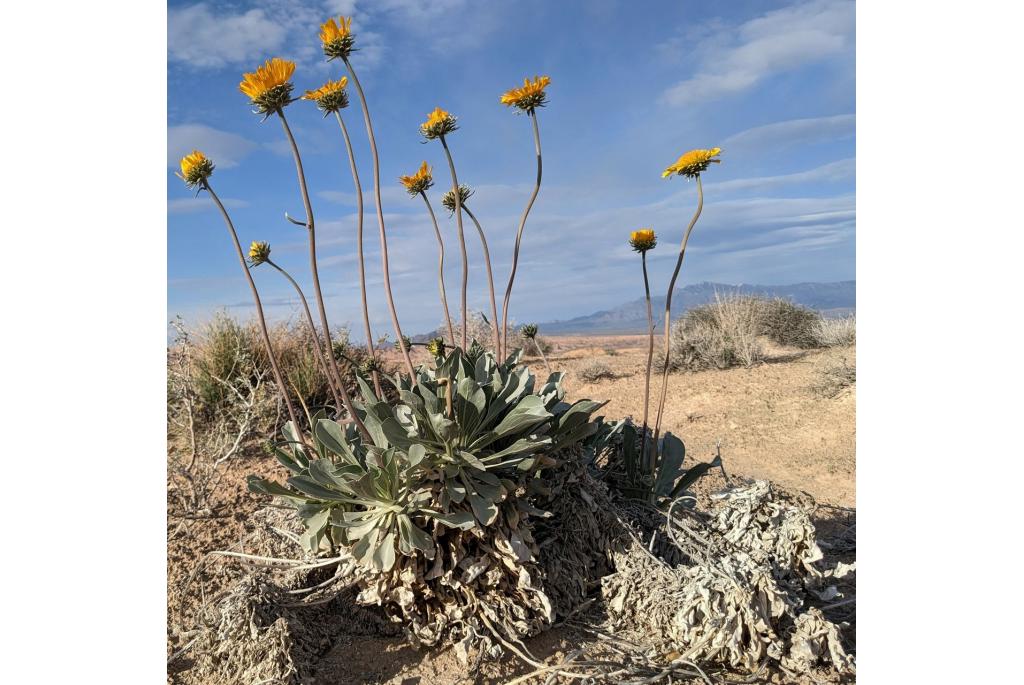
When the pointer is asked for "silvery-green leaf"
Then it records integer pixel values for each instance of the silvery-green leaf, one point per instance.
(670, 465)
(384, 556)
(463, 520)
(332, 435)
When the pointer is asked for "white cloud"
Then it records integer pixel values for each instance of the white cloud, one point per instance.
(832, 172)
(200, 203)
(735, 59)
(199, 37)
(793, 131)
(224, 148)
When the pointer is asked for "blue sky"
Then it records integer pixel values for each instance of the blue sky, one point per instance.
(633, 86)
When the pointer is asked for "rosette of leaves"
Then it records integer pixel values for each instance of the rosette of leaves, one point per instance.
(470, 441)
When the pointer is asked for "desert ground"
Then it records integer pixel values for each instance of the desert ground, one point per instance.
(767, 421)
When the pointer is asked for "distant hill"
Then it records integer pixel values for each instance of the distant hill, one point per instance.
(831, 299)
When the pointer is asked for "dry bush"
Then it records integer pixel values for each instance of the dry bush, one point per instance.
(481, 330)
(835, 378)
(789, 324)
(841, 332)
(595, 371)
(718, 335)
(201, 438)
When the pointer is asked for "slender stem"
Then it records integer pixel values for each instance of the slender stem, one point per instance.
(462, 243)
(380, 222)
(316, 348)
(647, 375)
(540, 349)
(346, 400)
(370, 347)
(519, 233)
(668, 309)
(490, 282)
(440, 269)
(278, 377)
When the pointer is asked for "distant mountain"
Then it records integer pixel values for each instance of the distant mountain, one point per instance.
(831, 299)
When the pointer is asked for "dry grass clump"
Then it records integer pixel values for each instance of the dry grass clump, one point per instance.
(595, 371)
(718, 335)
(841, 332)
(834, 379)
(787, 323)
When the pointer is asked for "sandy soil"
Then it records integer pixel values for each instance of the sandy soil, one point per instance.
(769, 421)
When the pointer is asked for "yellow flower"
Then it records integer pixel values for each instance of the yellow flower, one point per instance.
(436, 347)
(438, 123)
(693, 162)
(331, 96)
(418, 182)
(337, 37)
(643, 240)
(269, 87)
(259, 252)
(195, 168)
(530, 96)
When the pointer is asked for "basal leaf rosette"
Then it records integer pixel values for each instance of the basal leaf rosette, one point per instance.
(445, 495)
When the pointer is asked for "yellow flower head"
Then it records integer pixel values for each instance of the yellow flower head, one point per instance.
(436, 347)
(418, 182)
(269, 87)
(259, 252)
(438, 123)
(448, 199)
(692, 163)
(643, 240)
(330, 97)
(530, 96)
(337, 37)
(195, 168)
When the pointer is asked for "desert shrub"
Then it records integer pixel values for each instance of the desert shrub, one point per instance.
(443, 491)
(718, 335)
(223, 351)
(840, 332)
(595, 371)
(480, 329)
(789, 324)
(835, 378)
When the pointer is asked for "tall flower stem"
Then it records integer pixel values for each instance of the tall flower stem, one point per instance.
(519, 233)
(359, 246)
(647, 375)
(440, 268)
(462, 245)
(346, 400)
(380, 222)
(668, 310)
(490, 282)
(316, 348)
(278, 377)
(536, 343)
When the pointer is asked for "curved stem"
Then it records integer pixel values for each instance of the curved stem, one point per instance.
(370, 347)
(668, 309)
(462, 242)
(490, 282)
(440, 269)
(278, 377)
(316, 348)
(519, 233)
(380, 222)
(650, 359)
(346, 400)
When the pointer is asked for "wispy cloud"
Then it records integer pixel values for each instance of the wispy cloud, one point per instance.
(792, 132)
(841, 170)
(224, 148)
(201, 203)
(734, 59)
